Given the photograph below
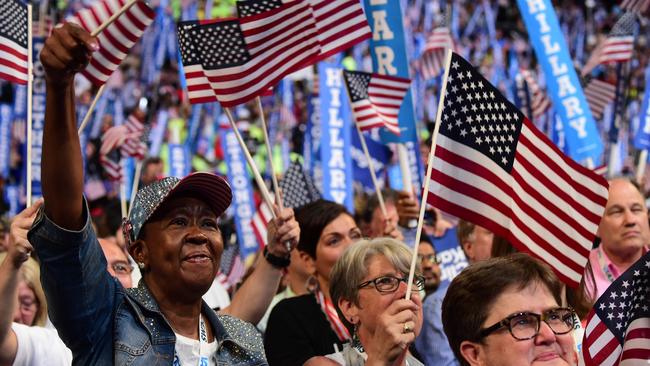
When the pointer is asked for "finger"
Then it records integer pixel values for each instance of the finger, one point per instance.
(82, 36)
(286, 214)
(31, 210)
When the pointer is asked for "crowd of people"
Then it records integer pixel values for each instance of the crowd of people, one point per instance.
(80, 285)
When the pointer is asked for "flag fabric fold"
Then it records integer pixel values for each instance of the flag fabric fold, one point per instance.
(376, 99)
(13, 42)
(494, 168)
(433, 55)
(235, 60)
(618, 326)
(617, 47)
(539, 102)
(116, 40)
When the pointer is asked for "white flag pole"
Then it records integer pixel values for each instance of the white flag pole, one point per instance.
(112, 18)
(274, 179)
(136, 183)
(423, 203)
(640, 167)
(258, 177)
(30, 82)
(83, 124)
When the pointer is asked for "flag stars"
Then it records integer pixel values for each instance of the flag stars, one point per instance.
(479, 140)
(463, 132)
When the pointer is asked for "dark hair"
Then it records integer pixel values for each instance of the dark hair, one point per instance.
(312, 218)
(472, 293)
(501, 247)
(426, 239)
(389, 196)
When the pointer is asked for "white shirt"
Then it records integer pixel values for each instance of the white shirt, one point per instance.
(187, 350)
(40, 346)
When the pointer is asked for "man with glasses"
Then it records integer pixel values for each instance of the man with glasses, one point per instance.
(506, 311)
(429, 265)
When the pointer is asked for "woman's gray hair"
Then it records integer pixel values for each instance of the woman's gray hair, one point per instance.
(351, 268)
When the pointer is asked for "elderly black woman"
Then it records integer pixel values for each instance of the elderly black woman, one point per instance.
(508, 311)
(173, 235)
(368, 286)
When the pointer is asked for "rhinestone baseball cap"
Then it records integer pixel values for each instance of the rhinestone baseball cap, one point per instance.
(212, 189)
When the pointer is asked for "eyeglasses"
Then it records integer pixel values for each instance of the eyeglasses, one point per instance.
(523, 326)
(122, 268)
(430, 257)
(391, 283)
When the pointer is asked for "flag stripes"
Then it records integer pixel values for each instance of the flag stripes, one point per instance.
(433, 56)
(116, 39)
(599, 95)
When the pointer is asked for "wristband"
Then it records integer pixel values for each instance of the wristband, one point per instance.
(275, 261)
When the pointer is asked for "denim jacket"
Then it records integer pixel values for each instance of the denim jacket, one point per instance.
(105, 324)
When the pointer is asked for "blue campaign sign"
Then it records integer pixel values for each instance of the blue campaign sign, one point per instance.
(336, 162)
(38, 116)
(20, 102)
(451, 256)
(5, 138)
(243, 206)
(380, 155)
(179, 160)
(581, 135)
(388, 53)
(642, 137)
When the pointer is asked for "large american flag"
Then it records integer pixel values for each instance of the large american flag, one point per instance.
(376, 99)
(618, 326)
(539, 102)
(13, 41)
(117, 39)
(617, 47)
(599, 94)
(433, 55)
(235, 60)
(494, 168)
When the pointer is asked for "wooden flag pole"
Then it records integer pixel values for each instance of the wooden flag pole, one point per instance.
(423, 203)
(407, 182)
(110, 20)
(83, 124)
(123, 192)
(640, 167)
(256, 173)
(30, 82)
(274, 179)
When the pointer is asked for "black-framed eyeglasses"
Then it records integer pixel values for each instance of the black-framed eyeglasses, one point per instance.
(430, 257)
(391, 283)
(525, 325)
(122, 268)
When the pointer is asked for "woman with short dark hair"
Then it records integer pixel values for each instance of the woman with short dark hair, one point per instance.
(507, 311)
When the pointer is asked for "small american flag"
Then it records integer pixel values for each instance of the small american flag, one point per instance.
(539, 102)
(233, 61)
(260, 222)
(618, 326)
(134, 145)
(494, 168)
(433, 55)
(599, 95)
(617, 47)
(116, 40)
(13, 41)
(376, 99)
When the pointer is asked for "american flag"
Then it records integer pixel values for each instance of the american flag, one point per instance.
(376, 99)
(298, 189)
(133, 143)
(599, 95)
(539, 102)
(341, 24)
(433, 55)
(618, 326)
(116, 40)
(233, 61)
(109, 157)
(13, 41)
(637, 6)
(617, 47)
(494, 168)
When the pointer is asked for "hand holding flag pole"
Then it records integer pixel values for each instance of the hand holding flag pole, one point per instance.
(427, 179)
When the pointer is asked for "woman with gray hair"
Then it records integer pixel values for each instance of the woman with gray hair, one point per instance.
(368, 285)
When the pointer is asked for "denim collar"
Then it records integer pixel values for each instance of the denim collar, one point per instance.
(142, 295)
